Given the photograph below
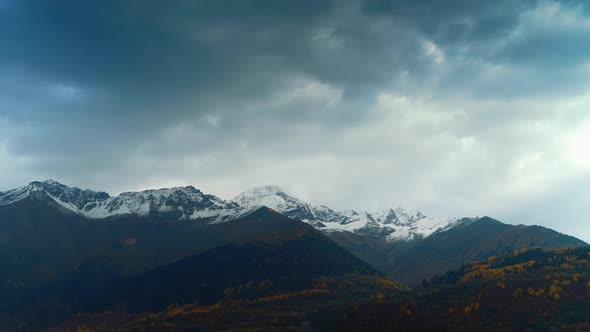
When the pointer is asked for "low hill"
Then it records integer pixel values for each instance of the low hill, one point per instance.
(253, 307)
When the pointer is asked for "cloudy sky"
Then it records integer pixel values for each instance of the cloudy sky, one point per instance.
(455, 107)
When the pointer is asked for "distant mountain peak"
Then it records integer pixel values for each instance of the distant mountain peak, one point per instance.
(46, 182)
(350, 213)
(266, 190)
(276, 199)
(42, 185)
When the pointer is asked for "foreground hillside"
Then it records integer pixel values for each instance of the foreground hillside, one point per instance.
(56, 263)
(290, 260)
(527, 290)
(280, 280)
(534, 290)
(252, 307)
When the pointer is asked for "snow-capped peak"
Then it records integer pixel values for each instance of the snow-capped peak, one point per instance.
(276, 199)
(399, 216)
(265, 190)
(69, 195)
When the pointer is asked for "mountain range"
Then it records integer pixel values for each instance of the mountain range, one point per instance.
(183, 202)
(65, 250)
(391, 224)
(189, 203)
(391, 239)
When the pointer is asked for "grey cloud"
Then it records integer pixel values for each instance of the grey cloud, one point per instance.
(501, 48)
(455, 21)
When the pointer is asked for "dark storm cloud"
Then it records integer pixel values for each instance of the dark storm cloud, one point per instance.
(398, 99)
(121, 70)
(127, 68)
(137, 48)
(480, 24)
(454, 21)
(544, 39)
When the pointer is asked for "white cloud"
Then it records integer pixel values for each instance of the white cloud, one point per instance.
(433, 51)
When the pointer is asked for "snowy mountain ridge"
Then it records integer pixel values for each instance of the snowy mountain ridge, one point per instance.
(393, 224)
(186, 203)
(189, 203)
